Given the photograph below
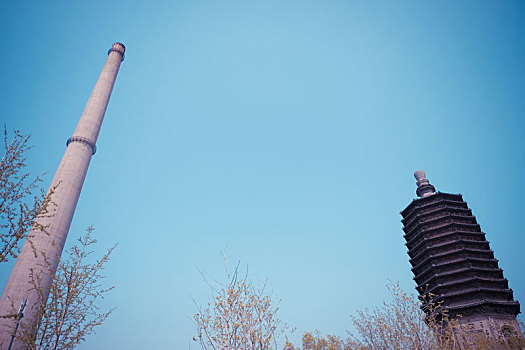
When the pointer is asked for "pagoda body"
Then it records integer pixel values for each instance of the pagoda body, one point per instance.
(452, 261)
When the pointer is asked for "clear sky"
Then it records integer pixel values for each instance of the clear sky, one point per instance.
(284, 133)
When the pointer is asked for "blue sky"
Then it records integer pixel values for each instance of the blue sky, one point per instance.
(283, 133)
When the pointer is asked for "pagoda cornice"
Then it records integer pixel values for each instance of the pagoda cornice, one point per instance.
(474, 290)
(424, 240)
(453, 262)
(513, 306)
(462, 241)
(436, 286)
(407, 222)
(451, 252)
(422, 203)
(463, 270)
(444, 222)
(451, 225)
(445, 214)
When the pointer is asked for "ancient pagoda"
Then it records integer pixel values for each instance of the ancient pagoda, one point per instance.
(452, 261)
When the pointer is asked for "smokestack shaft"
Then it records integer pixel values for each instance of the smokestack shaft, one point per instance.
(41, 252)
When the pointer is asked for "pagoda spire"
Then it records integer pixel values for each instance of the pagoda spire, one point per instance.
(424, 188)
(40, 254)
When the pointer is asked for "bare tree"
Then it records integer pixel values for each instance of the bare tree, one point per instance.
(401, 324)
(398, 324)
(240, 316)
(21, 198)
(314, 341)
(71, 312)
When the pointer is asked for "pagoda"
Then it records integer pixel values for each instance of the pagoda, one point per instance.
(454, 266)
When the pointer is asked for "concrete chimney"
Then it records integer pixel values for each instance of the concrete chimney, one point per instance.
(41, 251)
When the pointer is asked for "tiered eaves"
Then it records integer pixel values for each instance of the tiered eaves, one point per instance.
(452, 260)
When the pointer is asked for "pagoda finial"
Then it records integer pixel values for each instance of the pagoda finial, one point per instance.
(424, 188)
